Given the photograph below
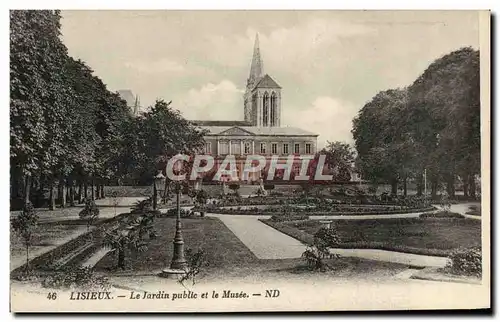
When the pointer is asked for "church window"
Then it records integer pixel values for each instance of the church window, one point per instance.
(285, 148)
(274, 148)
(273, 109)
(296, 148)
(208, 147)
(262, 148)
(265, 112)
(308, 148)
(247, 147)
(254, 108)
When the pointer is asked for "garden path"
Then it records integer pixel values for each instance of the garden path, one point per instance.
(463, 208)
(268, 243)
(265, 242)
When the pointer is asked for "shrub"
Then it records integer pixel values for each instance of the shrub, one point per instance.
(25, 224)
(316, 258)
(142, 206)
(81, 278)
(234, 186)
(466, 262)
(195, 262)
(326, 238)
(90, 212)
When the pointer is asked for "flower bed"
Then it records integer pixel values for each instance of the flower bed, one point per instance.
(409, 235)
(346, 211)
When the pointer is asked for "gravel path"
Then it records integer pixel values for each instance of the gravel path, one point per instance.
(265, 242)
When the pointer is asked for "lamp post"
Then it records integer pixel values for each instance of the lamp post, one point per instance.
(178, 264)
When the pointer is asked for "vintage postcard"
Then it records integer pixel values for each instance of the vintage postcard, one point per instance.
(249, 161)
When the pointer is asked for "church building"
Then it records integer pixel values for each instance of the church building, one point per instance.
(261, 131)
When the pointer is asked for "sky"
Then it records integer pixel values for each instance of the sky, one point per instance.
(328, 63)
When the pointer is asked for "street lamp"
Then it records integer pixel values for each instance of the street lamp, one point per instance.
(158, 182)
(178, 264)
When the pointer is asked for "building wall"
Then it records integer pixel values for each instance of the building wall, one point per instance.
(211, 144)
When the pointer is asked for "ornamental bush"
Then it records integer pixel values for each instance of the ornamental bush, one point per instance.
(466, 262)
(326, 238)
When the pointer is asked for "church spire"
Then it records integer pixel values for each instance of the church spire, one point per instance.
(257, 67)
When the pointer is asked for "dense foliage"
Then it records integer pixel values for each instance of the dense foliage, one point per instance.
(68, 130)
(433, 125)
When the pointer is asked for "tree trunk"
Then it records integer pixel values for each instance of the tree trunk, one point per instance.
(394, 187)
(27, 189)
(420, 183)
(27, 258)
(465, 181)
(97, 191)
(434, 188)
(472, 186)
(62, 191)
(405, 186)
(92, 189)
(40, 197)
(52, 198)
(80, 192)
(102, 191)
(85, 190)
(450, 186)
(71, 193)
(14, 184)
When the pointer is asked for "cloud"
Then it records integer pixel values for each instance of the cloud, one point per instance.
(283, 47)
(329, 117)
(158, 66)
(222, 101)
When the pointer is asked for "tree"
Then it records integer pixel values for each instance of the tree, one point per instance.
(90, 212)
(381, 139)
(154, 137)
(25, 225)
(130, 238)
(340, 158)
(446, 118)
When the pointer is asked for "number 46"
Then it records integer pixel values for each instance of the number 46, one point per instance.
(52, 296)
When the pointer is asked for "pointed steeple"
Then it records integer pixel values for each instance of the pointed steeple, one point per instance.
(257, 67)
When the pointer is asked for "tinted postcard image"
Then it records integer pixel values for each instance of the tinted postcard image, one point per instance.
(237, 161)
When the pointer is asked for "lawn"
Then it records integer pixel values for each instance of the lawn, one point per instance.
(429, 236)
(228, 257)
(222, 247)
(474, 210)
(45, 235)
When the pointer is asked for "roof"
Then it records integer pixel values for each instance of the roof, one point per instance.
(220, 123)
(267, 82)
(255, 130)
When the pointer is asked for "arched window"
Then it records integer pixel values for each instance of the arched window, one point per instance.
(254, 109)
(265, 110)
(274, 109)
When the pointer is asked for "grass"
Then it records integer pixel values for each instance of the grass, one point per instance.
(45, 235)
(228, 257)
(222, 247)
(438, 237)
